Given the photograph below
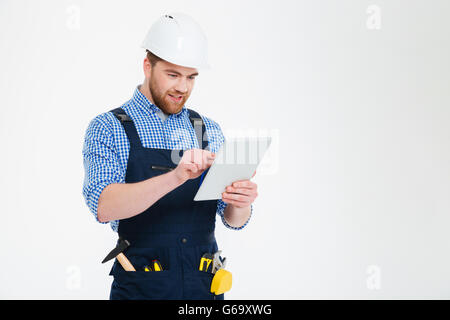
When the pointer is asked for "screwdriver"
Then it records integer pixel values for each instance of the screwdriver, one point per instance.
(147, 268)
(156, 265)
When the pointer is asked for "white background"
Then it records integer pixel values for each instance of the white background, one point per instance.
(358, 206)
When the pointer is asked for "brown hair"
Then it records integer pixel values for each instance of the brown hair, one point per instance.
(152, 58)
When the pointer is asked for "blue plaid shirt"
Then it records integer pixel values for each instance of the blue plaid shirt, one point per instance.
(106, 146)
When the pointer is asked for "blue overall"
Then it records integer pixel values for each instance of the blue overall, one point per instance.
(176, 230)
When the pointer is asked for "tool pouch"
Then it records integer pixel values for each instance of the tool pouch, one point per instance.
(221, 282)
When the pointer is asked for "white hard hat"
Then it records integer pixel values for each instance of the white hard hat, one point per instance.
(178, 39)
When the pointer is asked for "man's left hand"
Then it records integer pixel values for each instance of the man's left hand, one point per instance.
(241, 193)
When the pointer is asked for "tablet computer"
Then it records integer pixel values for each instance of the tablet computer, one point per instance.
(237, 159)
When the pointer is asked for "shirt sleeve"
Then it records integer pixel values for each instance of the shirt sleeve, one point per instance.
(216, 139)
(221, 209)
(101, 165)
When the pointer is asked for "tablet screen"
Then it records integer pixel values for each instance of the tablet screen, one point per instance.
(237, 159)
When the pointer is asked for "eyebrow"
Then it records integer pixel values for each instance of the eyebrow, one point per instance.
(173, 71)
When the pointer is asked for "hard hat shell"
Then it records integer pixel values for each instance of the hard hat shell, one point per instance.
(178, 39)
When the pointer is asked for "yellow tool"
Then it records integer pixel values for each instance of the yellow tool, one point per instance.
(221, 282)
(156, 266)
(205, 262)
(147, 268)
(222, 279)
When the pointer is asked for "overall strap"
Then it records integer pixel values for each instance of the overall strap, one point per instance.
(129, 127)
(133, 137)
(199, 129)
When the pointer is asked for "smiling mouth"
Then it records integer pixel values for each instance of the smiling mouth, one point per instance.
(176, 98)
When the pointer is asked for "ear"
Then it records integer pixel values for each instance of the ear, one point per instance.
(147, 67)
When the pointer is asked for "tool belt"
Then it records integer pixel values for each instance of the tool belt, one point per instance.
(179, 261)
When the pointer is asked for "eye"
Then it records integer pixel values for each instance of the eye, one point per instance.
(172, 75)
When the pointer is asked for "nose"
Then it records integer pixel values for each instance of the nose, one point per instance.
(182, 86)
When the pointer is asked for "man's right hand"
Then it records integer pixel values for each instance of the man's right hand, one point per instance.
(193, 163)
(125, 200)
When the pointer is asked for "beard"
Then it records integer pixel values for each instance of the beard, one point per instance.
(164, 102)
